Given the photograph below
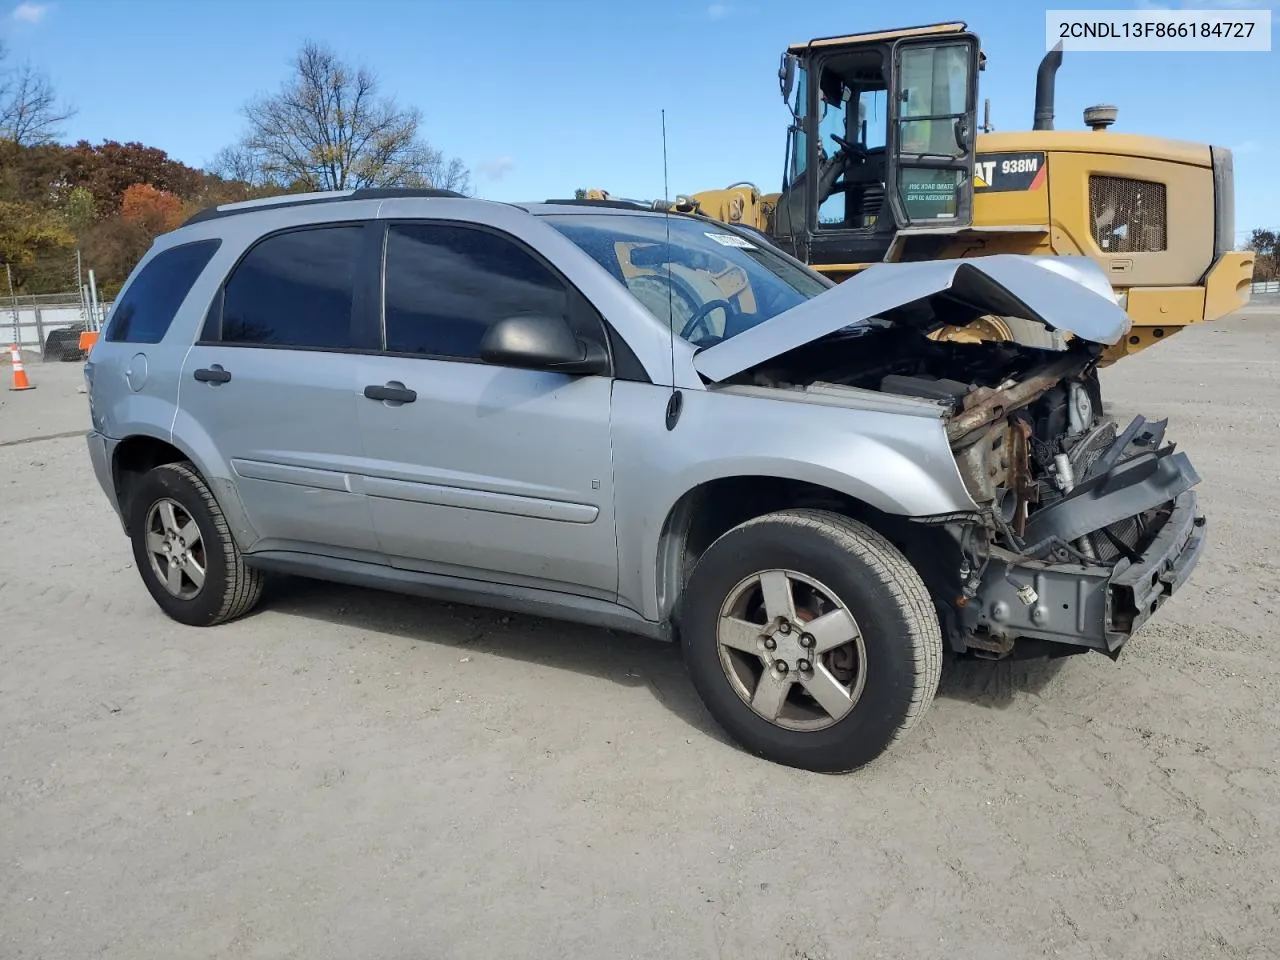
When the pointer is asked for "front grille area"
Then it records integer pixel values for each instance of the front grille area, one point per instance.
(1128, 532)
(1127, 215)
(1091, 446)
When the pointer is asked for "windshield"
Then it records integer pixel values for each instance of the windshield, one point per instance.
(708, 284)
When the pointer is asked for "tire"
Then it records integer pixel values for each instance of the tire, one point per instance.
(63, 345)
(165, 501)
(896, 663)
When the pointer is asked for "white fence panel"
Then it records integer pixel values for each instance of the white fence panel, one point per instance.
(29, 325)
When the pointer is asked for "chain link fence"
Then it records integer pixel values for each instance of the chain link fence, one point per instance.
(49, 323)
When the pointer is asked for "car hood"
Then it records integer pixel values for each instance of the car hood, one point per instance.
(1070, 294)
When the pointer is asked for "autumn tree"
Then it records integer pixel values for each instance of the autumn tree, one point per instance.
(156, 211)
(328, 128)
(112, 247)
(79, 208)
(1266, 244)
(1263, 241)
(29, 109)
(27, 173)
(110, 199)
(108, 169)
(30, 242)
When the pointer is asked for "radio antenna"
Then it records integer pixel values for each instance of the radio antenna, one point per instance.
(676, 401)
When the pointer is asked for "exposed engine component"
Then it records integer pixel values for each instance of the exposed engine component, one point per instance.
(930, 388)
(1086, 451)
(1079, 409)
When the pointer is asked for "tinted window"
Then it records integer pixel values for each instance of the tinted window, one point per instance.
(147, 308)
(445, 285)
(294, 289)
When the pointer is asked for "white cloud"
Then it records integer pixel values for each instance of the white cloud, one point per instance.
(718, 11)
(31, 12)
(496, 169)
(1247, 146)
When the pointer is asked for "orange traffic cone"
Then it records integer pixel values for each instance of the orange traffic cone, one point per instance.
(20, 381)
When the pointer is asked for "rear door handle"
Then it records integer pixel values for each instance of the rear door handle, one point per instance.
(214, 374)
(393, 392)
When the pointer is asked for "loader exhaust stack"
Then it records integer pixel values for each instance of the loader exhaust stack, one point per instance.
(1045, 77)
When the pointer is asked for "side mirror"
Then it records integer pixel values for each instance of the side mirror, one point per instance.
(541, 342)
(787, 76)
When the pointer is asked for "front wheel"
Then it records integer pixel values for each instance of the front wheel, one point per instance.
(811, 639)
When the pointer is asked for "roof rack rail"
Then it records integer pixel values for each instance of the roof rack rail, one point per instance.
(305, 199)
(617, 204)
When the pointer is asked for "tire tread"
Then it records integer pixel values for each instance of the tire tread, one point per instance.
(901, 582)
(242, 584)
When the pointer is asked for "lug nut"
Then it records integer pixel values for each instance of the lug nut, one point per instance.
(770, 643)
(803, 666)
(782, 667)
(806, 640)
(784, 628)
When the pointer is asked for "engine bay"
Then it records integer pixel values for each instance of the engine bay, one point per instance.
(1026, 424)
(895, 358)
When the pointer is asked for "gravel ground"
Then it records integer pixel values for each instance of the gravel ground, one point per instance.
(355, 774)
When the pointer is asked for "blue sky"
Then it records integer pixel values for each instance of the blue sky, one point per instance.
(542, 96)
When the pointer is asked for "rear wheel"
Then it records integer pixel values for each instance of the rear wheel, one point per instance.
(811, 639)
(184, 550)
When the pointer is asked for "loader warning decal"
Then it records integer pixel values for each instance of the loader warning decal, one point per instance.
(999, 172)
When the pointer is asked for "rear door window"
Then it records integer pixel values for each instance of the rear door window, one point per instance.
(295, 289)
(146, 310)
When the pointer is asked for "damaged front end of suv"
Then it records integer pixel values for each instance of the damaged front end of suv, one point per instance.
(1081, 529)
(1085, 529)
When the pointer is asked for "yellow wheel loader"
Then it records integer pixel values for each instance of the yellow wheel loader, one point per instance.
(886, 162)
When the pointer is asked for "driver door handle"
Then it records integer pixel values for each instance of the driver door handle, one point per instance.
(214, 374)
(392, 392)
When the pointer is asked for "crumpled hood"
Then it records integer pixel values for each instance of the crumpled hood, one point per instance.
(1070, 294)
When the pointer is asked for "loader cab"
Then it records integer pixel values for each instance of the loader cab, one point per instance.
(881, 140)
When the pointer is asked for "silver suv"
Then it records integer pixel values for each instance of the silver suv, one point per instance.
(653, 423)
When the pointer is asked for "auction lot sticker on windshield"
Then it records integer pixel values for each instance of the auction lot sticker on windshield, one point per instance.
(1229, 29)
(729, 240)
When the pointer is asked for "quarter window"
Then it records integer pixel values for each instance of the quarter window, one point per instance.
(445, 285)
(147, 308)
(295, 289)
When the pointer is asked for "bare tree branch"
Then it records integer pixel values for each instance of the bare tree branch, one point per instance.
(29, 110)
(328, 129)
(239, 163)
